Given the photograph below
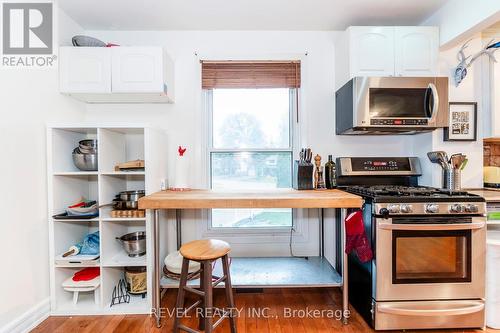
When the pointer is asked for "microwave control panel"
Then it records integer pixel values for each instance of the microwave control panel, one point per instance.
(399, 122)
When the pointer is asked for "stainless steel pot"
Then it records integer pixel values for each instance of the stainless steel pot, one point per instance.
(134, 243)
(131, 195)
(124, 205)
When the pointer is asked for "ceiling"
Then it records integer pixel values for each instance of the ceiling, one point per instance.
(245, 14)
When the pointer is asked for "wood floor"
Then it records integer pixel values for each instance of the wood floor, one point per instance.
(277, 304)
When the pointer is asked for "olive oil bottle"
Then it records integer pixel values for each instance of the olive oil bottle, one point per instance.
(330, 180)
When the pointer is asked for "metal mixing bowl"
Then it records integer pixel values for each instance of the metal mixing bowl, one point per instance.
(134, 243)
(85, 162)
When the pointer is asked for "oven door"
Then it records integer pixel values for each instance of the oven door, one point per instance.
(399, 102)
(430, 258)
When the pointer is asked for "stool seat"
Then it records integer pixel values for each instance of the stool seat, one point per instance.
(205, 249)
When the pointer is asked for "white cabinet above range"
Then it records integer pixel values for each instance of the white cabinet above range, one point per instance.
(116, 74)
(386, 51)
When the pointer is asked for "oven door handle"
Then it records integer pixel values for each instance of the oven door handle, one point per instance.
(394, 309)
(451, 226)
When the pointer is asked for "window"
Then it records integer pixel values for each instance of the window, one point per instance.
(251, 148)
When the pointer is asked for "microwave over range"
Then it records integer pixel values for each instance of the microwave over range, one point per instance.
(391, 105)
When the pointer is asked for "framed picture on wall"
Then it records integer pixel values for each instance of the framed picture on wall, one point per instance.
(462, 123)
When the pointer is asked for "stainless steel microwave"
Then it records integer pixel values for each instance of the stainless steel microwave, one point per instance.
(391, 105)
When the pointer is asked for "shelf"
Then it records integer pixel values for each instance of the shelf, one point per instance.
(76, 173)
(95, 219)
(97, 264)
(123, 219)
(124, 173)
(137, 305)
(122, 259)
(274, 272)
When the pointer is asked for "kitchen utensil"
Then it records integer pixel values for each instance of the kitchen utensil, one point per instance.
(120, 294)
(81, 40)
(85, 162)
(491, 176)
(134, 243)
(438, 157)
(456, 160)
(134, 213)
(452, 179)
(131, 195)
(136, 278)
(130, 165)
(125, 204)
(88, 143)
(464, 163)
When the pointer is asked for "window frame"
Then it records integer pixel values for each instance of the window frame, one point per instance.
(210, 230)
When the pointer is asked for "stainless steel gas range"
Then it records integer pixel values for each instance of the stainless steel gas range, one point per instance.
(428, 269)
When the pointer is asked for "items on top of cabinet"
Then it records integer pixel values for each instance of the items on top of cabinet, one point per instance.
(116, 74)
(88, 41)
(386, 51)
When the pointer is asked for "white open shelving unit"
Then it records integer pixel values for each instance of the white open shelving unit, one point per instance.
(66, 184)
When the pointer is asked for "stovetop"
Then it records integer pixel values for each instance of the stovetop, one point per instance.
(393, 193)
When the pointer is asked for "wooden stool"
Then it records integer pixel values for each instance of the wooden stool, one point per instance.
(205, 252)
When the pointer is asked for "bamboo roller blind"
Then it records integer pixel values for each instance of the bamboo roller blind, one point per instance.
(250, 74)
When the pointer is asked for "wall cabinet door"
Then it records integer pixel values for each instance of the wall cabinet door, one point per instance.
(416, 51)
(371, 51)
(137, 69)
(84, 70)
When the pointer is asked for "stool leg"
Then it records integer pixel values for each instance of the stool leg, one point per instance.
(75, 297)
(201, 319)
(229, 292)
(180, 293)
(208, 301)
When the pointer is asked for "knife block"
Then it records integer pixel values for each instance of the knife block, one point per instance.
(302, 176)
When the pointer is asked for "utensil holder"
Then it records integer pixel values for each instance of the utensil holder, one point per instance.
(452, 179)
(302, 176)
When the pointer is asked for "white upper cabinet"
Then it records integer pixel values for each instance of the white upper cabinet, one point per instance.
(117, 74)
(372, 51)
(416, 51)
(386, 51)
(85, 69)
(137, 69)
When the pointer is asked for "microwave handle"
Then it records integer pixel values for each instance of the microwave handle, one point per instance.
(431, 110)
(416, 227)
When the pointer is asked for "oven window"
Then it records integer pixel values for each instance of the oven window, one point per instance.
(431, 256)
(397, 103)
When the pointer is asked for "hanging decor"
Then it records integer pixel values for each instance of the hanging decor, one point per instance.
(461, 69)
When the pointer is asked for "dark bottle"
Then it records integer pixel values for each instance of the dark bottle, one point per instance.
(330, 180)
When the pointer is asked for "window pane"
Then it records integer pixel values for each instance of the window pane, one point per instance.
(251, 218)
(245, 170)
(251, 170)
(251, 118)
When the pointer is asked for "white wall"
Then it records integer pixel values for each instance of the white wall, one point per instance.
(469, 90)
(460, 19)
(182, 120)
(28, 99)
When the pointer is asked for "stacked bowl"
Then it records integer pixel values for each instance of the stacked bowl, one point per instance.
(85, 155)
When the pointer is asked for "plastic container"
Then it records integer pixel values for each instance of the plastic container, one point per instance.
(493, 279)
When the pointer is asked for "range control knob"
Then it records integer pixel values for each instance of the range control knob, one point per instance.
(456, 208)
(471, 208)
(431, 208)
(393, 208)
(406, 209)
(384, 212)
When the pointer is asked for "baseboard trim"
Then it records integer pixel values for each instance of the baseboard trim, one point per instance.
(30, 319)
